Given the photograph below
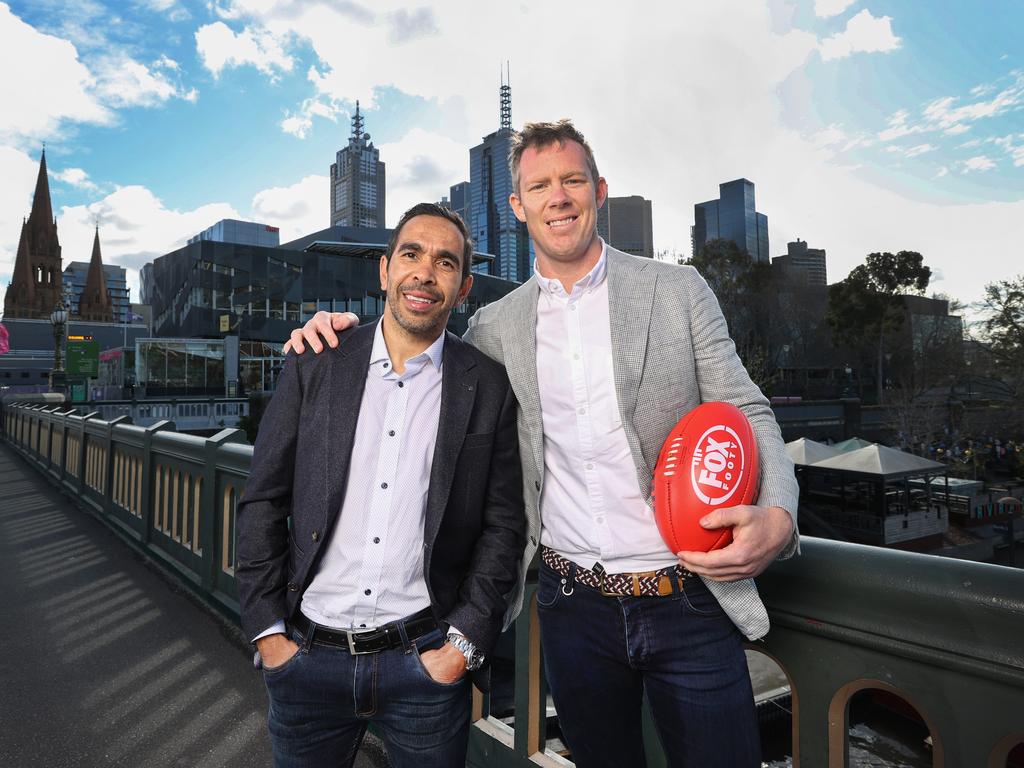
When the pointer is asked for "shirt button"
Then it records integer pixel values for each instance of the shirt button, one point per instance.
(366, 591)
(316, 536)
(581, 411)
(401, 383)
(376, 539)
(590, 466)
(384, 486)
(576, 356)
(391, 433)
(600, 521)
(572, 307)
(385, 365)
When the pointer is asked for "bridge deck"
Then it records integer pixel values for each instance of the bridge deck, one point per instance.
(102, 661)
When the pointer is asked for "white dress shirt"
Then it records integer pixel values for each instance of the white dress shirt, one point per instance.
(591, 507)
(372, 570)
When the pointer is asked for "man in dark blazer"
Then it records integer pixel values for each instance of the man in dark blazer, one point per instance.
(375, 572)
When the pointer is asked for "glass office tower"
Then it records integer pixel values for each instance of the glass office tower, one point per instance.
(732, 217)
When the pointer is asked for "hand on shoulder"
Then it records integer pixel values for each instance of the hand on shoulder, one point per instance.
(325, 324)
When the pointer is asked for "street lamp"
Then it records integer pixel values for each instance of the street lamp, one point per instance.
(58, 318)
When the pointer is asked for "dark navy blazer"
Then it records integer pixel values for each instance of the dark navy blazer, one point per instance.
(474, 528)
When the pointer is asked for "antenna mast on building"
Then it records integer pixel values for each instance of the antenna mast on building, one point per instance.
(357, 123)
(506, 99)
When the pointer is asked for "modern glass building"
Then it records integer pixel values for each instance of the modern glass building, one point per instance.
(244, 232)
(732, 217)
(625, 223)
(802, 264)
(215, 290)
(492, 224)
(357, 181)
(74, 278)
(180, 366)
(457, 200)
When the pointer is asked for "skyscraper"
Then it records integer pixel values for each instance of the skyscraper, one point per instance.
(492, 225)
(35, 286)
(625, 223)
(732, 217)
(802, 264)
(357, 181)
(458, 200)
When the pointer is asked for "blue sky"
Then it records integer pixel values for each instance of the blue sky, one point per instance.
(865, 124)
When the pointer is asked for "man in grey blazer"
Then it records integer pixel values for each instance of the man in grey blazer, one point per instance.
(605, 353)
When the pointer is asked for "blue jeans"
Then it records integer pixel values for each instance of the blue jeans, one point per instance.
(323, 698)
(602, 654)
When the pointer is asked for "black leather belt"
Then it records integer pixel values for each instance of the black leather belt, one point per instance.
(367, 640)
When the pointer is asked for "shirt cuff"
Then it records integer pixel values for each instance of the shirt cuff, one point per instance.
(278, 629)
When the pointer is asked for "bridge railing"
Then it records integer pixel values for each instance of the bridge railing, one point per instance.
(946, 636)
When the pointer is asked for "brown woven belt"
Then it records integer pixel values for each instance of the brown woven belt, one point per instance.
(646, 584)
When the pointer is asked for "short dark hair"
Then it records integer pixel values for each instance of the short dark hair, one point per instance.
(540, 135)
(433, 209)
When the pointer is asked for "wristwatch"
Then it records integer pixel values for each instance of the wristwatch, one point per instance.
(474, 658)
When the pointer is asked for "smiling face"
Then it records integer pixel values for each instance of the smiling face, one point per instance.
(558, 199)
(423, 277)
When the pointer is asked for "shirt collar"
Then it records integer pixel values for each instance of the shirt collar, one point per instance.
(592, 279)
(379, 354)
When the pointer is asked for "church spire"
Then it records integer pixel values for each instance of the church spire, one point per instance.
(35, 286)
(42, 211)
(95, 303)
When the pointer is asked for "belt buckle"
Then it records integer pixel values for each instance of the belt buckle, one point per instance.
(352, 644)
(600, 584)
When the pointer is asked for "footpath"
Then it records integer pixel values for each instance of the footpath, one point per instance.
(105, 661)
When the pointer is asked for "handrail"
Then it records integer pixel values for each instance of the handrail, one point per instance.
(946, 635)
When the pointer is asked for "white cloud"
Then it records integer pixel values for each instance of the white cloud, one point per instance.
(942, 113)
(37, 100)
(943, 171)
(956, 130)
(864, 33)
(166, 62)
(920, 149)
(899, 127)
(298, 126)
(829, 8)
(978, 163)
(219, 48)
(135, 227)
(122, 82)
(420, 168)
(298, 209)
(1010, 145)
(76, 177)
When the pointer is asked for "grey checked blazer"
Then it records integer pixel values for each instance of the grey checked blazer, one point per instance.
(671, 352)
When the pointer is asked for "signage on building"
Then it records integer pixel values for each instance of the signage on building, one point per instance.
(225, 323)
(83, 356)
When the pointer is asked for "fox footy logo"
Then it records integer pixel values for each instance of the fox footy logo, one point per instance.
(717, 465)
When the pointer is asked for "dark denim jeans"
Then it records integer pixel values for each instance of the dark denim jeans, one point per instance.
(602, 654)
(322, 699)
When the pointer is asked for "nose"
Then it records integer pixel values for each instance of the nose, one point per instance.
(558, 196)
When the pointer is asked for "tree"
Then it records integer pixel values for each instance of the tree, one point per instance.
(743, 289)
(867, 305)
(1003, 328)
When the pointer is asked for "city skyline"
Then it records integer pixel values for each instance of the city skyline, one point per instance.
(863, 125)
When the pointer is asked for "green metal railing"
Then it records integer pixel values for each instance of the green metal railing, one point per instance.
(945, 635)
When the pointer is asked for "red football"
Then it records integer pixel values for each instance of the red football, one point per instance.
(709, 460)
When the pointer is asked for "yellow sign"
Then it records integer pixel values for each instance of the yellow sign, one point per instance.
(225, 323)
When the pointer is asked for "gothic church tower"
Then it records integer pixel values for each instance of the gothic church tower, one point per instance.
(35, 286)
